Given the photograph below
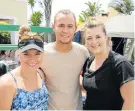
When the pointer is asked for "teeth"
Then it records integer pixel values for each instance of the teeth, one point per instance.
(65, 36)
(95, 46)
(32, 65)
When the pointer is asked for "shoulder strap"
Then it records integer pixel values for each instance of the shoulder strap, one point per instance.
(14, 79)
(43, 72)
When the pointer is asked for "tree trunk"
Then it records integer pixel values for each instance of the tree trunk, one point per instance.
(47, 12)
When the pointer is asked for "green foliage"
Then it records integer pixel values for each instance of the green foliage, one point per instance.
(45, 6)
(93, 9)
(4, 37)
(81, 18)
(84, 16)
(32, 4)
(36, 18)
(123, 6)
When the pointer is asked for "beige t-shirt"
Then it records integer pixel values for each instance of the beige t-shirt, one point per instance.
(62, 73)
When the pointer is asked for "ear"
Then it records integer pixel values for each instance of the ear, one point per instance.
(106, 37)
(53, 26)
(75, 28)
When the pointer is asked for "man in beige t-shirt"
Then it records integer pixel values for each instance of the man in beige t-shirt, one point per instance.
(62, 64)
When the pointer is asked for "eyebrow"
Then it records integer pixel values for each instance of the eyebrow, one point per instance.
(67, 24)
(98, 35)
(89, 36)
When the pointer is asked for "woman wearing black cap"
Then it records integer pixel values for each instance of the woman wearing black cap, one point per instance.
(24, 88)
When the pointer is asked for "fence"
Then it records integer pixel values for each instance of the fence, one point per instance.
(5, 47)
(15, 28)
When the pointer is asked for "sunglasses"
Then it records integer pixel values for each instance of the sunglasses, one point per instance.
(23, 37)
(29, 41)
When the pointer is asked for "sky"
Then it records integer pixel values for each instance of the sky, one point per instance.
(74, 5)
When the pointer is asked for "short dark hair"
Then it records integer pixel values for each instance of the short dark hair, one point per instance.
(66, 12)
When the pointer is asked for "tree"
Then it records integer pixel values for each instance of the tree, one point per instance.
(4, 37)
(46, 6)
(84, 16)
(32, 4)
(47, 9)
(93, 9)
(123, 6)
(36, 18)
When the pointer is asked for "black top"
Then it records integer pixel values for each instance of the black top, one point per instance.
(103, 85)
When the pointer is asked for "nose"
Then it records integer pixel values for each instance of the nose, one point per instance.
(65, 30)
(94, 41)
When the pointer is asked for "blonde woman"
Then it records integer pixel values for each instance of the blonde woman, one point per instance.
(24, 88)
